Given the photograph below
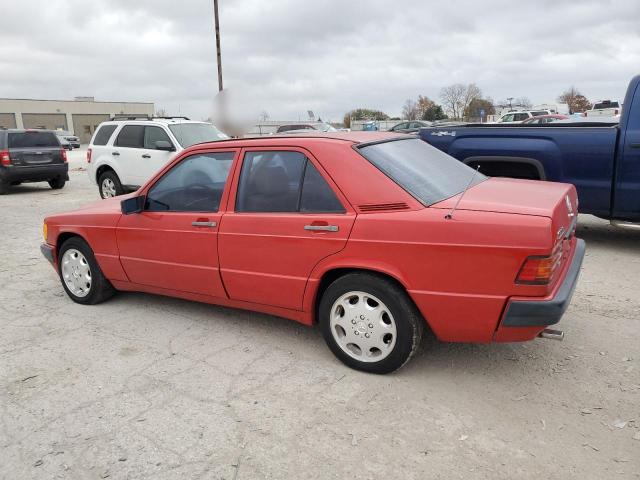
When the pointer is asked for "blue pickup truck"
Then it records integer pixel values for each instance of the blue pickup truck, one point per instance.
(601, 159)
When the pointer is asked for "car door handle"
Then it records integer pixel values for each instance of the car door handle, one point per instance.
(204, 224)
(146, 155)
(634, 145)
(322, 228)
(115, 153)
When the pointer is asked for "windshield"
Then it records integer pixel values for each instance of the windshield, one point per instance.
(189, 134)
(425, 172)
(325, 127)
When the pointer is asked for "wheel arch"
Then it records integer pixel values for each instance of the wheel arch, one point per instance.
(66, 235)
(530, 163)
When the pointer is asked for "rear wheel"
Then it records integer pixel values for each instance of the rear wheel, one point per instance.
(370, 323)
(4, 187)
(109, 185)
(57, 183)
(80, 274)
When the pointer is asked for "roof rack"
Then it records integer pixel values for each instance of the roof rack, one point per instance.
(146, 117)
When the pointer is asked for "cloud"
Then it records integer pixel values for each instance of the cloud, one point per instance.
(326, 56)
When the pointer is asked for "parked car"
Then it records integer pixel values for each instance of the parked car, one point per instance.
(72, 140)
(410, 127)
(305, 128)
(31, 156)
(374, 236)
(520, 116)
(124, 154)
(604, 108)
(544, 119)
(65, 144)
(601, 159)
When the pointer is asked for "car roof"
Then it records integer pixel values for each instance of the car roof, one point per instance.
(152, 121)
(358, 137)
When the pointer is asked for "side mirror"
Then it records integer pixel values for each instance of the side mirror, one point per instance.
(132, 205)
(164, 145)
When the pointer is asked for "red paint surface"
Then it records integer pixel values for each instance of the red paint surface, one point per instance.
(459, 272)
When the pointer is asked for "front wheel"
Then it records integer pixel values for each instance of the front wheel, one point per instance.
(80, 274)
(109, 185)
(370, 323)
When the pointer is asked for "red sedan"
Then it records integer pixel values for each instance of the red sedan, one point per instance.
(374, 236)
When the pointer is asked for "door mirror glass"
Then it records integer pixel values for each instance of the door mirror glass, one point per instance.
(132, 205)
(165, 146)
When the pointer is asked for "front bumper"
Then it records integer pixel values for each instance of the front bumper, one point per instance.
(37, 173)
(47, 250)
(541, 313)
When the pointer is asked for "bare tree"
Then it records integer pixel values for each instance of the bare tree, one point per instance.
(410, 110)
(264, 116)
(456, 98)
(575, 100)
(523, 102)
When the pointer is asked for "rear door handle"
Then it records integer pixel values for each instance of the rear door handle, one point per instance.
(204, 224)
(322, 228)
(146, 155)
(115, 153)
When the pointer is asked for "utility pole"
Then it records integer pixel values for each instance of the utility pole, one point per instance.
(219, 55)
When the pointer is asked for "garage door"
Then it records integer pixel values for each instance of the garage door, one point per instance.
(51, 121)
(85, 124)
(7, 120)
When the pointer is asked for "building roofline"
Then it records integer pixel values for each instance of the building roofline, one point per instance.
(71, 101)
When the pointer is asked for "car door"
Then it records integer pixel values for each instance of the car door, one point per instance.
(127, 153)
(287, 215)
(152, 158)
(173, 242)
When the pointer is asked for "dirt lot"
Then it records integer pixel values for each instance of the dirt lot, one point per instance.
(151, 387)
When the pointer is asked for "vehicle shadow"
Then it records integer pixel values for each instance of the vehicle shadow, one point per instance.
(29, 188)
(600, 233)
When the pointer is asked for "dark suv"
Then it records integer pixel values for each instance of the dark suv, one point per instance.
(31, 156)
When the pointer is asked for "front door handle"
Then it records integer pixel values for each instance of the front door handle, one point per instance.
(146, 155)
(204, 224)
(115, 154)
(322, 228)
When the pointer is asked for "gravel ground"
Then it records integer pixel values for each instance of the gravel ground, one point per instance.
(144, 386)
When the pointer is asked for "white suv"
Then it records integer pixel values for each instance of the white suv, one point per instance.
(124, 154)
(521, 115)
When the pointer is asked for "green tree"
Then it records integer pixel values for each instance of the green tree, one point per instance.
(433, 113)
(363, 114)
(477, 104)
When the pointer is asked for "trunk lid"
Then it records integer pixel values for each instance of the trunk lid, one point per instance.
(557, 201)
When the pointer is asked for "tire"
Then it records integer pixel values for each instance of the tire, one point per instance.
(57, 183)
(109, 185)
(4, 187)
(80, 274)
(389, 326)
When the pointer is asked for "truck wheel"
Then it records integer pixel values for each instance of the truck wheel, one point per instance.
(109, 185)
(370, 323)
(80, 274)
(57, 183)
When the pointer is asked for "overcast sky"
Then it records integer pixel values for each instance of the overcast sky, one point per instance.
(326, 56)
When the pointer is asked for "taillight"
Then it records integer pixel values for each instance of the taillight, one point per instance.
(539, 270)
(63, 152)
(88, 155)
(5, 158)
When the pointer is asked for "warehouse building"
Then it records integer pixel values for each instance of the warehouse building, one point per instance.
(80, 116)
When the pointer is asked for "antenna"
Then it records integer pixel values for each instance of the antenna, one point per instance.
(449, 215)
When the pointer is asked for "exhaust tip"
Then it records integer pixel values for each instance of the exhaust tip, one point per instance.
(552, 334)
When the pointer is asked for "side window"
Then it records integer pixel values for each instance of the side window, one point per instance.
(281, 181)
(130, 136)
(518, 117)
(270, 181)
(317, 195)
(153, 135)
(193, 185)
(104, 134)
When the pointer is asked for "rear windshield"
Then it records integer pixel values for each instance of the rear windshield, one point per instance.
(606, 105)
(189, 134)
(425, 172)
(33, 139)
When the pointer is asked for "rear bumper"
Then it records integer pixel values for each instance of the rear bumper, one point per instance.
(34, 173)
(47, 251)
(548, 311)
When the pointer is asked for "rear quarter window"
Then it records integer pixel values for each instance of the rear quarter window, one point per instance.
(104, 134)
(33, 140)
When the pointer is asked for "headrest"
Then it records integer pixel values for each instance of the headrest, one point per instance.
(271, 181)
